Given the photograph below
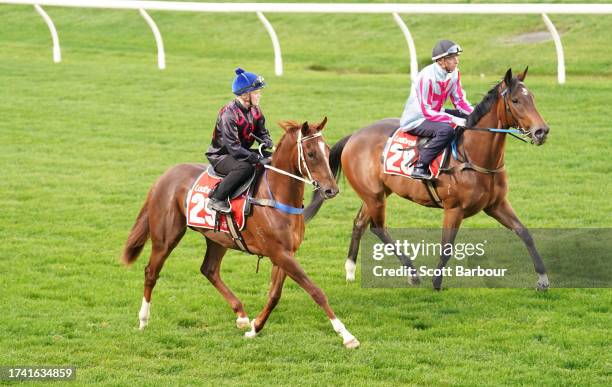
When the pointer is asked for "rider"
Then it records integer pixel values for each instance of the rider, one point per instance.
(237, 124)
(424, 114)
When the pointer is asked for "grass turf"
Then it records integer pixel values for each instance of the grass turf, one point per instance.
(81, 142)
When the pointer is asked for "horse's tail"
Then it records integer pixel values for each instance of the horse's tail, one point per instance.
(138, 236)
(335, 165)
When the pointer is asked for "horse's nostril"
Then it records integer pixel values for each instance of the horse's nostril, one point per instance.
(540, 133)
(330, 192)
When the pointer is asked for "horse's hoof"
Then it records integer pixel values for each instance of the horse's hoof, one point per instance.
(543, 283)
(352, 343)
(437, 283)
(243, 322)
(414, 280)
(142, 325)
(252, 333)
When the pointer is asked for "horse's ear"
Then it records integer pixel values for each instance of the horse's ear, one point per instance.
(508, 78)
(522, 75)
(322, 124)
(305, 128)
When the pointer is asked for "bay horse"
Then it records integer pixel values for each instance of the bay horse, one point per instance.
(468, 186)
(268, 232)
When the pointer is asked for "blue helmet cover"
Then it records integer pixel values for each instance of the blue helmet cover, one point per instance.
(246, 82)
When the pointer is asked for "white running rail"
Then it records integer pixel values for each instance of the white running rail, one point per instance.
(161, 56)
(260, 8)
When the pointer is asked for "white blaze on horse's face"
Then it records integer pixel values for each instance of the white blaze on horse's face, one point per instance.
(526, 115)
(316, 160)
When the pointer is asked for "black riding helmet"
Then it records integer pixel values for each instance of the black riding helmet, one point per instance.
(444, 48)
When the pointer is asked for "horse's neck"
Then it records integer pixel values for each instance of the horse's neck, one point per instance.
(486, 149)
(285, 189)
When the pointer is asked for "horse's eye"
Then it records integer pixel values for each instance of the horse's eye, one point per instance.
(311, 155)
(514, 100)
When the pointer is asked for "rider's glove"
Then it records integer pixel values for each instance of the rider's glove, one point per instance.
(253, 158)
(268, 143)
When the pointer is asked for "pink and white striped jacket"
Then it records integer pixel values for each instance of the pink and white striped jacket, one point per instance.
(429, 93)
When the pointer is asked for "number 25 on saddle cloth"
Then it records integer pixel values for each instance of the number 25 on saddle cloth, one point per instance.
(401, 153)
(198, 212)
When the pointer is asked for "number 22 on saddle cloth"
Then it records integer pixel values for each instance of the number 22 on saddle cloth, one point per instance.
(401, 152)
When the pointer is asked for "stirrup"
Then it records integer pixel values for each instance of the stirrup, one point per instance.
(418, 175)
(225, 210)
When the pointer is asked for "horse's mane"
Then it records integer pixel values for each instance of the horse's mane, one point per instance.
(489, 100)
(484, 106)
(289, 125)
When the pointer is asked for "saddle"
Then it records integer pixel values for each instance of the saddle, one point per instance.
(248, 183)
(402, 151)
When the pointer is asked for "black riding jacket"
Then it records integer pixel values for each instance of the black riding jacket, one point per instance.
(233, 132)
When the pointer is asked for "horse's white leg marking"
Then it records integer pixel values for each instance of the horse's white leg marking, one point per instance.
(543, 283)
(349, 267)
(348, 339)
(251, 334)
(243, 322)
(144, 313)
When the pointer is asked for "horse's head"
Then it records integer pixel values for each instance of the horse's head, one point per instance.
(311, 155)
(520, 109)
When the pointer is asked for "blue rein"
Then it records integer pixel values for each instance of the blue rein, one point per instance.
(512, 132)
(516, 131)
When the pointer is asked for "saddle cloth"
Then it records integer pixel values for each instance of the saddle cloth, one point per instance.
(198, 213)
(401, 152)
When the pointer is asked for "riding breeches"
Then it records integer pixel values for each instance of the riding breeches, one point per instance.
(237, 172)
(441, 134)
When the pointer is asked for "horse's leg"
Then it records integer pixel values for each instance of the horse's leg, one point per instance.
(276, 289)
(452, 221)
(505, 215)
(292, 268)
(166, 233)
(377, 209)
(210, 269)
(359, 226)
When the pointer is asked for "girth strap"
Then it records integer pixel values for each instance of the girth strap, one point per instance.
(431, 189)
(235, 232)
(468, 165)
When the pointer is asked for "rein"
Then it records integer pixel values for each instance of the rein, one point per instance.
(301, 159)
(516, 132)
(519, 134)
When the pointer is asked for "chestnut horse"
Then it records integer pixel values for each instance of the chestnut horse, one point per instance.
(268, 232)
(469, 186)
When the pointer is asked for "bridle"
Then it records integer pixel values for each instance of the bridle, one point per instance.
(513, 129)
(300, 161)
(509, 128)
